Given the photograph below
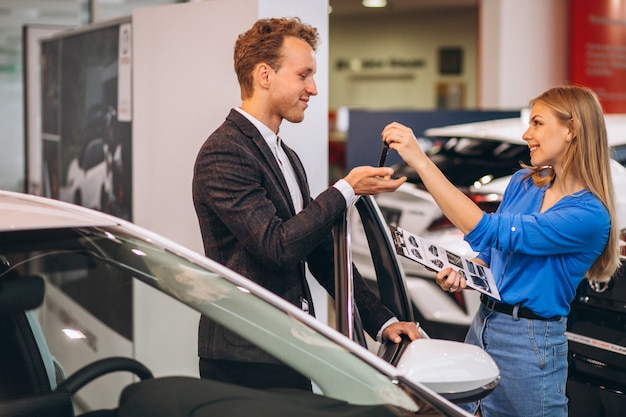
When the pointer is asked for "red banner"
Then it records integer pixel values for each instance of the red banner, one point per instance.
(598, 50)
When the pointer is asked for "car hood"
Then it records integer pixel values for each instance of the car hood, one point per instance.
(28, 212)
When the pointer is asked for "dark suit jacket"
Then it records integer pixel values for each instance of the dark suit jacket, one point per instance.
(248, 223)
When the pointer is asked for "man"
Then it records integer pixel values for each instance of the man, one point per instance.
(254, 206)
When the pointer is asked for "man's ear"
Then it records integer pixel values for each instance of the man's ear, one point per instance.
(263, 74)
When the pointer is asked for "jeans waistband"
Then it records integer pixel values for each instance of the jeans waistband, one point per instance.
(508, 309)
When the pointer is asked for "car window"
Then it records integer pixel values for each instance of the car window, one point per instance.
(619, 154)
(466, 160)
(65, 258)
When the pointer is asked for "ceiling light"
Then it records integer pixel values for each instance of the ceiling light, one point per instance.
(374, 3)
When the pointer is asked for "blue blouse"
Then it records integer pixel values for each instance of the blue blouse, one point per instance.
(538, 259)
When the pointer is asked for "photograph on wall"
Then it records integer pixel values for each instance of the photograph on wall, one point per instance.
(435, 257)
(86, 145)
(86, 160)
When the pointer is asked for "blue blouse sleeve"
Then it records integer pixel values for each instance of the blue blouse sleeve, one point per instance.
(573, 224)
(485, 253)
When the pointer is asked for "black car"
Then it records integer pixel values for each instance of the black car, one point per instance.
(597, 349)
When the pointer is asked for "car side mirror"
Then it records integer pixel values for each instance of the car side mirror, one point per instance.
(458, 371)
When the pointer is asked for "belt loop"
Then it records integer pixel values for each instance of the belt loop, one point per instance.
(515, 311)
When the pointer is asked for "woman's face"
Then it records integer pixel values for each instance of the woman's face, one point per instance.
(546, 136)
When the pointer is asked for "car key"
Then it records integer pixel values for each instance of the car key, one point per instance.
(383, 154)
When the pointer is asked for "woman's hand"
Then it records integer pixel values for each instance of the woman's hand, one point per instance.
(402, 139)
(454, 204)
(450, 280)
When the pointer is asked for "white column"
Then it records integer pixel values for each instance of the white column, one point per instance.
(184, 85)
(522, 47)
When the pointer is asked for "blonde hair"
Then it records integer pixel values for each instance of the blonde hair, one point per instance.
(588, 158)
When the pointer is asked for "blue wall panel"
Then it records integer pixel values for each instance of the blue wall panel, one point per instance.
(364, 141)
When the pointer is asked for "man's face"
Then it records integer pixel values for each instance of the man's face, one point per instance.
(293, 84)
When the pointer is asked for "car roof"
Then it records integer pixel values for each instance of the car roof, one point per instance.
(510, 130)
(28, 212)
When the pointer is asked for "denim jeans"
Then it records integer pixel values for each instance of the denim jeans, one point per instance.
(532, 357)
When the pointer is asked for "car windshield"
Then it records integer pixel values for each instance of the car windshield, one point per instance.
(99, 272)
(464, 161)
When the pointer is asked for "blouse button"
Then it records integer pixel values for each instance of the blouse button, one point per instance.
(513, 229)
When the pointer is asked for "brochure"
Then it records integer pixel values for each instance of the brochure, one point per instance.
(437, 258)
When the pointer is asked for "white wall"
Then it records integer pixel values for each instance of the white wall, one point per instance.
(523, 50)
(514, 50)
(12, 154)
(414, 36)
(183, 87)
(309, 138)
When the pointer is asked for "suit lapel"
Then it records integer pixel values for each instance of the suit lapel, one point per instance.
(256, 138)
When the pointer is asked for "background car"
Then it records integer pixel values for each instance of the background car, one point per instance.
(89, 177)
(97, 272)
(94, 177)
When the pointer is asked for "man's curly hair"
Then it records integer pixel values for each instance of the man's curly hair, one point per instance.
(263, 43)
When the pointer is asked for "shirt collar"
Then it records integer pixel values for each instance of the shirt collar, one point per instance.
(269, 136)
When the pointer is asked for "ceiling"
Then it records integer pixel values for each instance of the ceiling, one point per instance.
(14, 14)
(355, 8)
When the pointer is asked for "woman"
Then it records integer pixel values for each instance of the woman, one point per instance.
(553, 228)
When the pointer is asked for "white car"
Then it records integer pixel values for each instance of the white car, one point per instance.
(90, 177)
(112, 288)
(479, 158)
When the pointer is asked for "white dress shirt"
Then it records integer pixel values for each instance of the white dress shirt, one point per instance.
(273, 141)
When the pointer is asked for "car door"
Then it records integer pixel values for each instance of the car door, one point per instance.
(390, 282)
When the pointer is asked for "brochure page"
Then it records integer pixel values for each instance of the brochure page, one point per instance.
(437, 258)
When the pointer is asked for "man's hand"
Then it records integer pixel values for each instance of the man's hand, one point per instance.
(366, 180)
(394, 330)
